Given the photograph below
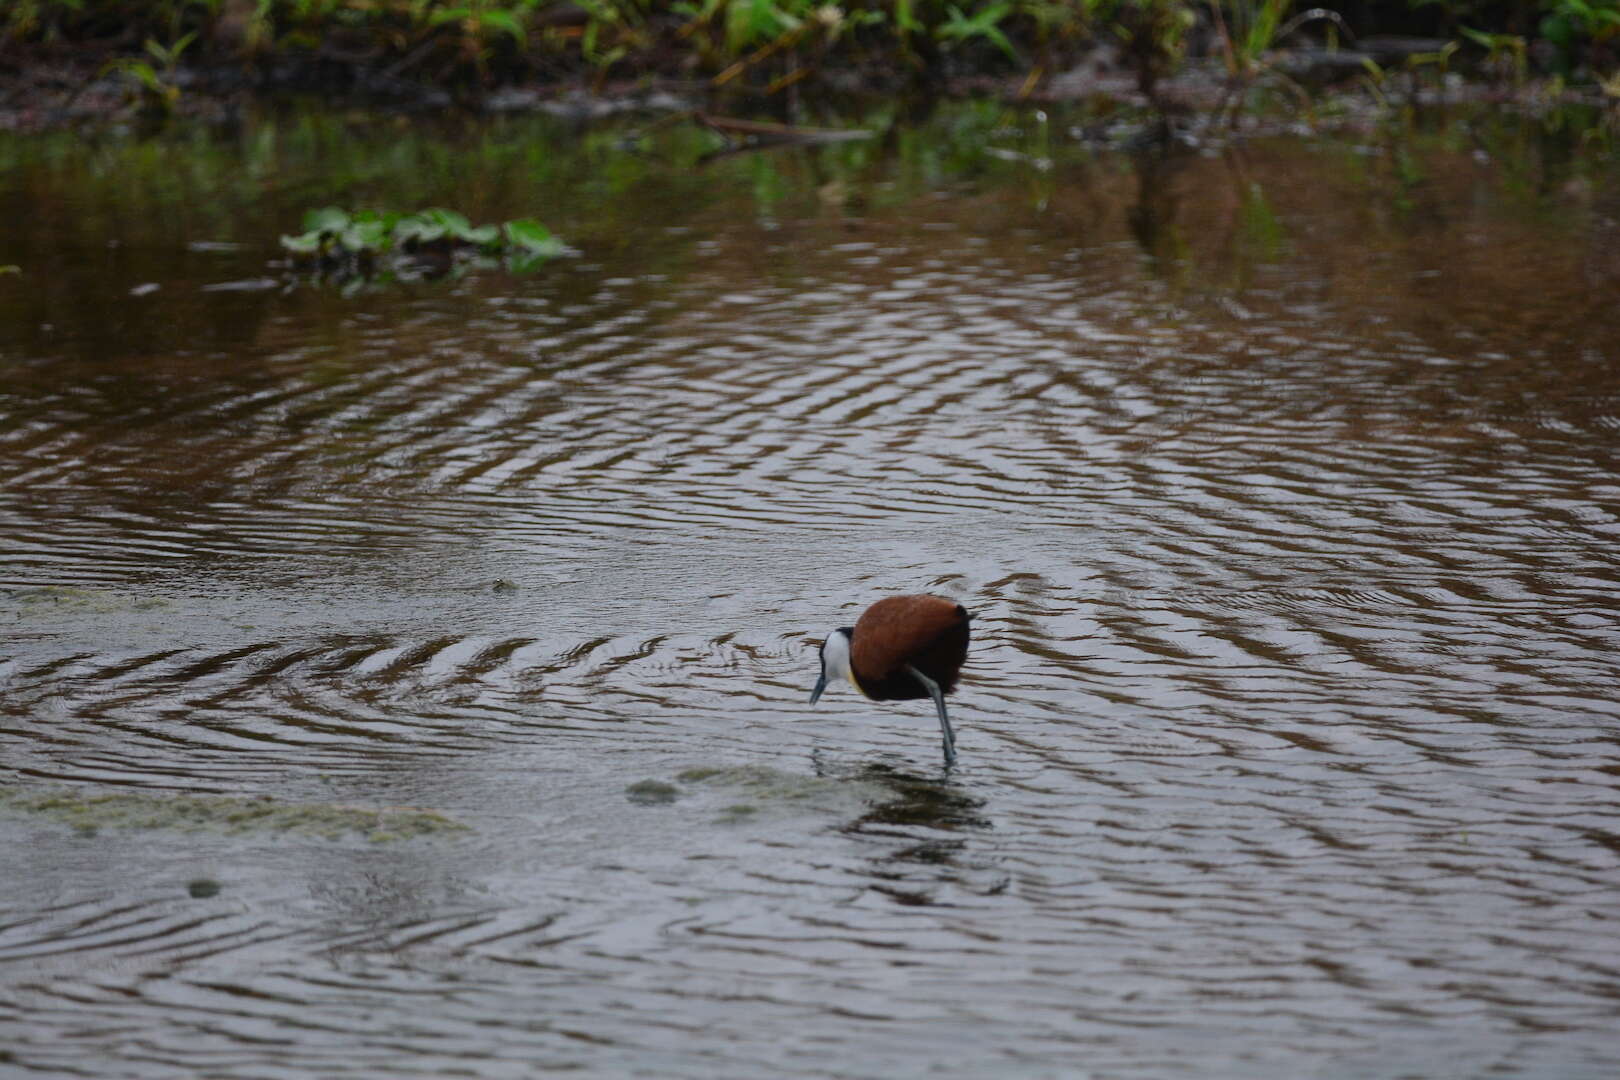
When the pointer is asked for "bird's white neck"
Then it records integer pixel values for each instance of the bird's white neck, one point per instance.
(835, 659)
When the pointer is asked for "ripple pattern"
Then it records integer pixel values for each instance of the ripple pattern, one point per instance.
(1289, 733)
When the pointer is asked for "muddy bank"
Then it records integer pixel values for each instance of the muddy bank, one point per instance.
(40, 91)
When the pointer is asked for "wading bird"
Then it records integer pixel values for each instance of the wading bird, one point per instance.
(902, 648)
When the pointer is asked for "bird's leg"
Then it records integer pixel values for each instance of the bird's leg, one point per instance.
(939, 703)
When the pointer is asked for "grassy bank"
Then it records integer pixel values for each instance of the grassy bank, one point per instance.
(785, 47)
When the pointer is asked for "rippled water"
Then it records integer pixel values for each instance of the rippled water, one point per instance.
(1281, 478)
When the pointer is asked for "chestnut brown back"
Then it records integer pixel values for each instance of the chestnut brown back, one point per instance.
(928, 632)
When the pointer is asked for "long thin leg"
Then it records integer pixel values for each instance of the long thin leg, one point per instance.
(939, 703)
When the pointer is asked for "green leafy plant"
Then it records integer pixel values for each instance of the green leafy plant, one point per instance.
(155, 91)
(767, 45)
(1153, 38)
(787, 39)
(983, 23)
(481, 20)
(1250, 29)
(1503, 52)
(343, 245)
(152, 93)
(1570, 23)
(169, 55)
(610, 30)
(1439, 59)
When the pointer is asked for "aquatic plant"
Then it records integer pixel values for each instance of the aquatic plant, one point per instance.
(89, 810)
(1569, 24)
(1249, 30)
(340, 244)
(1153, 39)
(1506, 53)
(155, 91)
(984, 23)
(759, 46)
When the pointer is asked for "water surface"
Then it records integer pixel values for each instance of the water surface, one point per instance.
(1281, 477)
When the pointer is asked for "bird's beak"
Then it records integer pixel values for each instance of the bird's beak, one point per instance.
(821, 684)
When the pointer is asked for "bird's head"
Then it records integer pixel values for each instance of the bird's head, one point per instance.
(834, 660)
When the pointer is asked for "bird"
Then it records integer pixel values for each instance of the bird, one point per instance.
(902, 648)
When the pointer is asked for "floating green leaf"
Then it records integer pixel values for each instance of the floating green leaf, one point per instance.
(531, 236)
(307, 244)
(372, 235)
(526, 262)
(326, 220)
(370, 246)
(455, 225)
(416, 229)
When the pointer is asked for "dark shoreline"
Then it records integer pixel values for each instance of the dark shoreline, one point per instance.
(61, 93)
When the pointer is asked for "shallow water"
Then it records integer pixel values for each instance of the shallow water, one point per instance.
(1282, 479)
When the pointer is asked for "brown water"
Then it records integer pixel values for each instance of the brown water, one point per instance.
(1282, 479)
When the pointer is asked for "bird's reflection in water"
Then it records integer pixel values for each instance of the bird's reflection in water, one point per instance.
(930, 800)
(918, 863)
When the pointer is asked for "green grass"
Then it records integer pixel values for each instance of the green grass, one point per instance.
(766, 46)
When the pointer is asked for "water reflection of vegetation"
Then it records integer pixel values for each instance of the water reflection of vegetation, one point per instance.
(316, 157)
(199, 206)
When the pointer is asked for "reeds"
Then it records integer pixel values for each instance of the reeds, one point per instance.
(769, 45)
